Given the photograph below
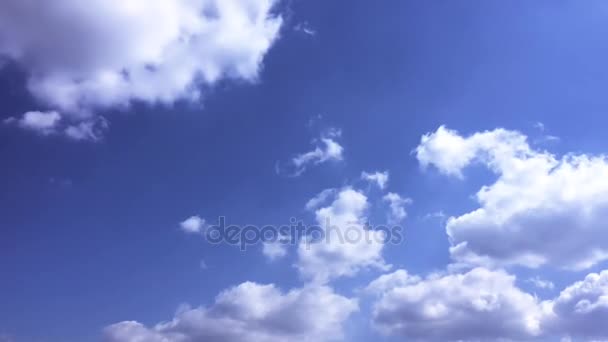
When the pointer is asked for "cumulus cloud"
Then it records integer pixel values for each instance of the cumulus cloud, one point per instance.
(397, 207)
(378, 178)
(193, 225)
(480, 305)
(250, 312)
(542, 209)
(347, 246)
(326, 149)
(581, 310)
(84, 57)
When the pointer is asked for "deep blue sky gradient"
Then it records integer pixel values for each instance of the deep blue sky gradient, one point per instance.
(89, 232)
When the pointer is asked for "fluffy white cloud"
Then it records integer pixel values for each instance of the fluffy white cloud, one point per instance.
(347, 246)
(193, 225)
(397, 207)
(250, 312)
(541, 209)
(581, 310)
(86, 56)
(480, 305)
(326, 149)
(378, 178)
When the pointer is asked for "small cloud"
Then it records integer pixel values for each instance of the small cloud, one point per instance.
(319, 199)
(276, 249)
(541, 283)
(91, 130)
(379, 178)
(305, 28)
(544, 138)
(547, 139)
(438, 215)
(53, 123)
(397, 207)
(193, 225)
(203, 265)
(43, 123)
(326, 149)
(540, 126)
(313, 121)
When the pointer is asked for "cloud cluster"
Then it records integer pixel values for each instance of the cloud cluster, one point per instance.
(250, 312)
(82, 57)
(486, 305)
(581, 310)
(480, 305)
(540, 210)
(475, 300)
(347, 246)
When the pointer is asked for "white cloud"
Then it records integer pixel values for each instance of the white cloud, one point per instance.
(193, 225)
(320, 199)
(82, 57)
(326, 149)
(52, 122)
(540, 126)
(397, 206)
(44, 123)
(581, 310)
(450, 152)
(541, 283)
(387, 282)
(274, 250)
(250, 312)
(541, 209)
(91, 129)
(347, 246)
(480, 305)
(379, 178)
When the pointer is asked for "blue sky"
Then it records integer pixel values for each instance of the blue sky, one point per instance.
(115, 129)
